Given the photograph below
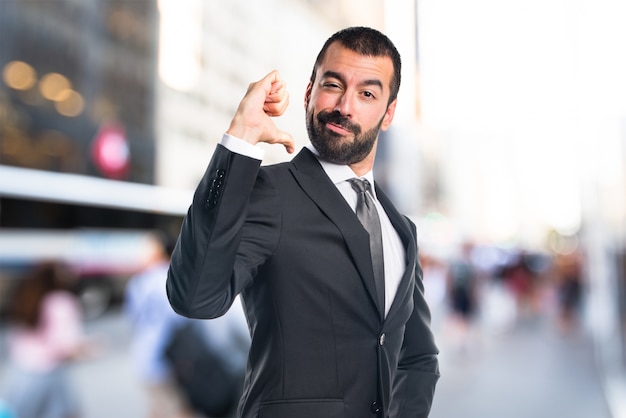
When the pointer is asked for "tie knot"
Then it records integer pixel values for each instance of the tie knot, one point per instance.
(360, 185)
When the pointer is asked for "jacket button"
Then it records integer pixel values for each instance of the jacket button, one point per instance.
(375, 408)
(381, 339)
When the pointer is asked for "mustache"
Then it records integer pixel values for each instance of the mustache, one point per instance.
(336, 118)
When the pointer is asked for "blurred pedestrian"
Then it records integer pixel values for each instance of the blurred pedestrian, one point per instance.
(45, 334)
(153, 323)
(208, 360)
(569, 270)
(522, 283)
(463, 287)
(435, 285)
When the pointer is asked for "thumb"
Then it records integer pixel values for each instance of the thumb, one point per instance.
(286, 140)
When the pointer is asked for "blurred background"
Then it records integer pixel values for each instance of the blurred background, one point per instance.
(508, 150)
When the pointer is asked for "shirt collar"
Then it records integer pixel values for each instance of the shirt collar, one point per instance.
(339, 173)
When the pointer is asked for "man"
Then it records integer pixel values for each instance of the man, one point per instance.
(325, 342)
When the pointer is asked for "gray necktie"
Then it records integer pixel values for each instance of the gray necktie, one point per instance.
(368, 215)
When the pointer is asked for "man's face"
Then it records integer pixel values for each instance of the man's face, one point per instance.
(347, 104)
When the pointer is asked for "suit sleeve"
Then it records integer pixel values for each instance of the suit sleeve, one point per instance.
(418, 368)
(230, 229)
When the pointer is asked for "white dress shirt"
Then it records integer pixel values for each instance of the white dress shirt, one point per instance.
(394, 253)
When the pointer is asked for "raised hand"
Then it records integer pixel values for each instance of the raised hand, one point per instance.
(264, 99)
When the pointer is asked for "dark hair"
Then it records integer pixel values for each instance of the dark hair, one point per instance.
(43, 278)
(165, 240)
(368, 42)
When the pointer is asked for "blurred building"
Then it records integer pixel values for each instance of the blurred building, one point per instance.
(209, 52)
(77, 96)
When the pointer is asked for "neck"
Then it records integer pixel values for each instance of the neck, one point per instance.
(360, 169)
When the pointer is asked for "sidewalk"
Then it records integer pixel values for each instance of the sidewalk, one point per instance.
(528, 371)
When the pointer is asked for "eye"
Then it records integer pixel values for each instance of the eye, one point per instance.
(331, 85)
(369, 95)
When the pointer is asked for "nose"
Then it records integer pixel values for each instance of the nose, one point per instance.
(344, 105)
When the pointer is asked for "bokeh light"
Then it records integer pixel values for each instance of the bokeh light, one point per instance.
(19, 75)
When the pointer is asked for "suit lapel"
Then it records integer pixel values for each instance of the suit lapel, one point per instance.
(315, 183)
(403, 228)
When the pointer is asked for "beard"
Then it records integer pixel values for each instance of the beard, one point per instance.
(332, 146)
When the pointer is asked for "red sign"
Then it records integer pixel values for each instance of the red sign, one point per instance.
(110, 152)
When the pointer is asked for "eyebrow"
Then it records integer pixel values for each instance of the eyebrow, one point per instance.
(368, 82)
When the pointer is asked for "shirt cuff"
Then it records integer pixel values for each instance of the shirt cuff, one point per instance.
(239, 146)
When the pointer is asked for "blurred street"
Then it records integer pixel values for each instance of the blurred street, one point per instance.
(527, 371)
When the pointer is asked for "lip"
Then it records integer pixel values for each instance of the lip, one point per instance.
(337, 129)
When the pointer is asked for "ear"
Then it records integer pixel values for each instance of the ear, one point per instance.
(388, 118)
(307, 95)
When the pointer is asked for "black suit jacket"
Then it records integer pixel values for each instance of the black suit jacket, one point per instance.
(284, 238)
